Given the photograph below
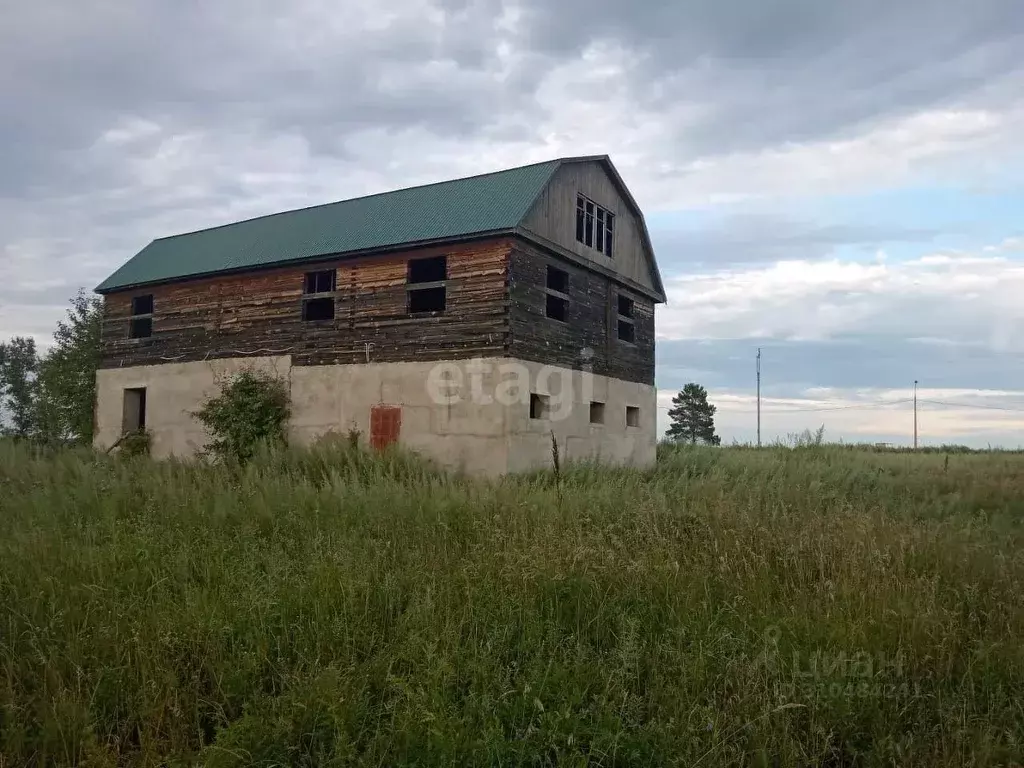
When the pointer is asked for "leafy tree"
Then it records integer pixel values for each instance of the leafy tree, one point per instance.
(67, 375)
(693, 417)
(19, 366)
(252, 408)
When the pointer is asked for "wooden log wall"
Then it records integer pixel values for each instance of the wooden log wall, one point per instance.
(495, 305)
(260, 312)
(591, 321)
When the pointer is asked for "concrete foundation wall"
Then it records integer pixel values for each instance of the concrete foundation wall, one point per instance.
(473, 415)
(610, 442)
(459, 434)
(173, 392)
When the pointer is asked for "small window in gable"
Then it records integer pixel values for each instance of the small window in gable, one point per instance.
(596, 412)
(140, 325)
(588, 234)
(427, 285)
(594, 225)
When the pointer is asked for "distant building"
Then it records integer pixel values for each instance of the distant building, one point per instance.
(410, 316)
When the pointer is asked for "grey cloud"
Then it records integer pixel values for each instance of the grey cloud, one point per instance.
(756, 74)
(73, 69)
(761, 238)
(963, 298)
(759, 74)
(235, 79)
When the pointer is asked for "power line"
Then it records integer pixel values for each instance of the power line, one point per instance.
(882, 404)
(973, 405)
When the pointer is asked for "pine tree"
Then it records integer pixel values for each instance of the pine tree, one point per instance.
(693, 417)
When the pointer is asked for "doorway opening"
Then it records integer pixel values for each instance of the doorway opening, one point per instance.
(134, 413)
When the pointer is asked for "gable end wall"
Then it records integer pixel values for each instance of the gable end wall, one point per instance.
(553, 218)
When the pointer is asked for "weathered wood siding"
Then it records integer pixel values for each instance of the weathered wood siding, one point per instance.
(496, 305)
(591, 321)
(261, 313)
(553, 217)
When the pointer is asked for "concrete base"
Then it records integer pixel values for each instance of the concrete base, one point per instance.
(473, 415)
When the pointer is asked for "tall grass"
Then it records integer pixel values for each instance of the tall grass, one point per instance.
(809, 607)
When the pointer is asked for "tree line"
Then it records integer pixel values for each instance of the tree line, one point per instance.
(49, 397)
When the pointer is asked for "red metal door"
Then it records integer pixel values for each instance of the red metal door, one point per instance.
(385, 425)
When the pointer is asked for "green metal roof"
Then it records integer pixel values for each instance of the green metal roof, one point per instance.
(449, 209)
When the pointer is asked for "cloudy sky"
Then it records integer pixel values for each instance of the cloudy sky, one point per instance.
(840, 184)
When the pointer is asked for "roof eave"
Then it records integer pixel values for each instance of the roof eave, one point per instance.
(411, 245)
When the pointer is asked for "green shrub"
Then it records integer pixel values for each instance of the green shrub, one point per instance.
(251, 410)
(136, 443)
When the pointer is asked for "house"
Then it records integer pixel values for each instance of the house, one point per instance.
(470, 320)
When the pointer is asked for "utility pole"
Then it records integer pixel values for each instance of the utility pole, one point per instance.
(915, 414)
(758, 397)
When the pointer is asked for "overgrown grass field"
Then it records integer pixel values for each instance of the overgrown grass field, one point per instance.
(789, 607)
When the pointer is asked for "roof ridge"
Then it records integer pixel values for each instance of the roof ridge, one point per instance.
(553, 161)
